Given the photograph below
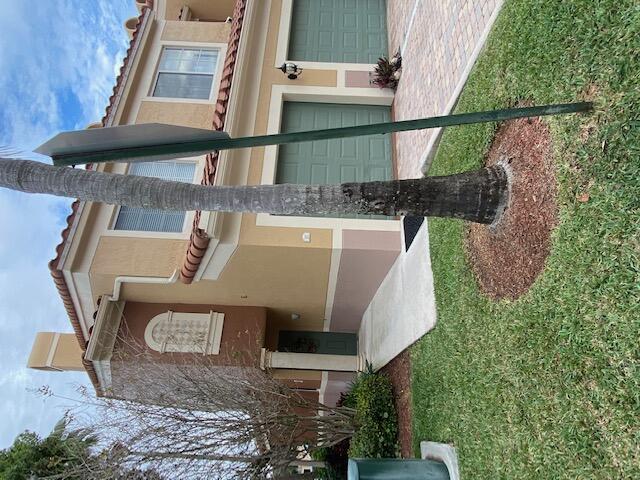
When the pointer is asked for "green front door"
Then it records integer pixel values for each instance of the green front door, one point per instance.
(342, 31)
(330, 343)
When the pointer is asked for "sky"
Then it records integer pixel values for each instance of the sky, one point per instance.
(58, 64)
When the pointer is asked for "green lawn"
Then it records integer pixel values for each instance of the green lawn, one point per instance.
(547, 386)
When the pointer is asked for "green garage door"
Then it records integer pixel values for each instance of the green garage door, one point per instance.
(356, 159)
(342, 31)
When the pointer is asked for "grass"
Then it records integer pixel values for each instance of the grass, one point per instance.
(547, 386)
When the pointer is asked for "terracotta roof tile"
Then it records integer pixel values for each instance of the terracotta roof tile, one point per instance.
(199, 241)
(127, 58)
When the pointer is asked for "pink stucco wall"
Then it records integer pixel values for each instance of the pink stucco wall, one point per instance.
(366, 259)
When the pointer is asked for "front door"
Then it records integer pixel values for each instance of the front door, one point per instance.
(330, 343)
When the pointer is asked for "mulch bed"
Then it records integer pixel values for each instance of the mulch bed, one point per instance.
(399, 371)
(506, 258)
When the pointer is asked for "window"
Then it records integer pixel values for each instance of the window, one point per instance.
(155, 220)
(186, 73)
(185, 332)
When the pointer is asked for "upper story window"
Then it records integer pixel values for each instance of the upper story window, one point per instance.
(186, 73)
(155, 220)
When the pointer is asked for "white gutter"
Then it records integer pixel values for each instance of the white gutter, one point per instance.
(117, 284)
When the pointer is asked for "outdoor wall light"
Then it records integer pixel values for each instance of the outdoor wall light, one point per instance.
(291, 70)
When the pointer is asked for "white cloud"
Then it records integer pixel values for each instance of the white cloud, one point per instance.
(61, 48)
(28, 303)
(58, 60)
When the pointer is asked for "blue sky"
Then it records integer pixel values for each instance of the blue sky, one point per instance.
(59, 60)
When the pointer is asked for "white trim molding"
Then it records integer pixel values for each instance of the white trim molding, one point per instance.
(310, 361)
(52, 350)
(103, 338)
(185, 332)
(233, 165)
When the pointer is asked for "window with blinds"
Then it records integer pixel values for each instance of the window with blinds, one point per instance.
(186, 73)
(155, 220)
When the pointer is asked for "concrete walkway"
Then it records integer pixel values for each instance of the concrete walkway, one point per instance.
(440, 41)
(403, 309)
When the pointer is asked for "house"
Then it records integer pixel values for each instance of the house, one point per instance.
(282, 293)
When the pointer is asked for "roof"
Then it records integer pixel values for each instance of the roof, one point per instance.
(199, 240)
(120, 79)
(65, 295)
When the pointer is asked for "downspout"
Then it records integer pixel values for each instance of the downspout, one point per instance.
(117, 284)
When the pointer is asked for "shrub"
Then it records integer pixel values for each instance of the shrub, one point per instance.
(376, 427)
(376, 433)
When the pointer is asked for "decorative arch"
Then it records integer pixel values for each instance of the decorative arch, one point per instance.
(185, 332)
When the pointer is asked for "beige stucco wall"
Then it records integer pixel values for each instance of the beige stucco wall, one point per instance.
(115, 255)
(204, 9)
(272, 266)
(210, 32)
(155, 257)
(198, 115)
(133, 256)
(66, 356)
(285, 280)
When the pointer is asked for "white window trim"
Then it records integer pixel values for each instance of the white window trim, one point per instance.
(215, 84)
(123, 168)
(351, 96)
(214, 333)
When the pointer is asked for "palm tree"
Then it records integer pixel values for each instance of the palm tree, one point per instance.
(477, 196)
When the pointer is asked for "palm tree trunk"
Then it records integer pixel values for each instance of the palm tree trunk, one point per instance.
(477, 196)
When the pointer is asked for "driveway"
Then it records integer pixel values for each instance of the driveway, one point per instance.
(439, 41)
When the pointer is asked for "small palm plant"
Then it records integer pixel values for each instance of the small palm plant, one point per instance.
(387, 72)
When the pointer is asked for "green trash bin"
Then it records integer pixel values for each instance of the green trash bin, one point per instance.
(396, 469)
